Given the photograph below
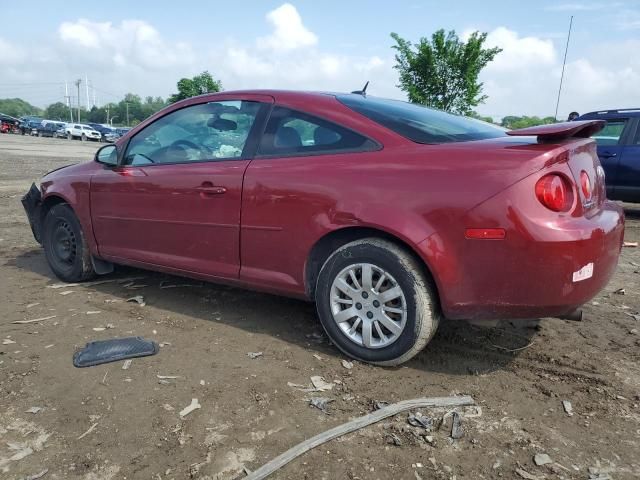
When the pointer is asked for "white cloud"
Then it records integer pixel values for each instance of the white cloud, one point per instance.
(524, 78)
(134, 43)
(10, 53)
(519, 52)
(134, 56)
(289, 32)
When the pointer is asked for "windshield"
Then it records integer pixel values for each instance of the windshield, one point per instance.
(421, 124)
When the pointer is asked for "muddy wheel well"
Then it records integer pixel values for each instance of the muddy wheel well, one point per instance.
(48, 204)
(334, 240)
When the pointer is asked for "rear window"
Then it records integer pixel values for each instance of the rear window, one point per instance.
(420, 124)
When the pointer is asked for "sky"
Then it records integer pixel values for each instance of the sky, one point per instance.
(144, 47)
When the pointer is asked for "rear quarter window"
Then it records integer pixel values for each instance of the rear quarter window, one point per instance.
(611, 133)
(420, 124)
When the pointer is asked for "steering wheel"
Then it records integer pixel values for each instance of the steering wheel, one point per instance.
(186, 143)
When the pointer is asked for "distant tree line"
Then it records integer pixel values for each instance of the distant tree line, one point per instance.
(130, 111)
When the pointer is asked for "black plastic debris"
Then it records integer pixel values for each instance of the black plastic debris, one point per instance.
(105, 351)
(418, 420)
(456, 426)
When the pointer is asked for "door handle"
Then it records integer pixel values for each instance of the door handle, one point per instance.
(608, 155)
(208, 189)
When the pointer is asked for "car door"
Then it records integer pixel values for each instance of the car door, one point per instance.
(610, 141)
(174, 201)
(288, 191)
(628, 180)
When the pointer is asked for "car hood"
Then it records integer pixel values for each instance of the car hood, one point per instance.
(84, 169)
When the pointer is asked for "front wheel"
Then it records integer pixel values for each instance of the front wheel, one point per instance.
(65, 246)
(376, 303)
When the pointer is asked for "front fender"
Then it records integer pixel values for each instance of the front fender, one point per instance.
(71, 185)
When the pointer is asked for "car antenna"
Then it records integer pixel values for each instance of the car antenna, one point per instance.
(362, 92)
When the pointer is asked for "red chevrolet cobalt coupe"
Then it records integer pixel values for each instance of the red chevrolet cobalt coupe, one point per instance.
(390, 216)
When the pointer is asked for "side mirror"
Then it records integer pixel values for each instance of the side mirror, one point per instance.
(107, 155)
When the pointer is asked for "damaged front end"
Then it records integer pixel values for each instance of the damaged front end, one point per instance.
(32, 203)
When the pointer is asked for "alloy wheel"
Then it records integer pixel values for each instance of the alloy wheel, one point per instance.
(368, 305)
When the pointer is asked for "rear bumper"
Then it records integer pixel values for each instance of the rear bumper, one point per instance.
(32, 203)
(530, 274)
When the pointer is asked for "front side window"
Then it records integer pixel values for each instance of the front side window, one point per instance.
(205, 132)
(290, 132)
(418, 123)
(611, 133)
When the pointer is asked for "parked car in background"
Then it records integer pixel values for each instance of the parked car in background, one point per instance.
(29, 126)
(391, 216)
(122, 131)
(61, 132)
(108, 134)
(8, 124)
(619, 151)
(48, 129)
(83, 132)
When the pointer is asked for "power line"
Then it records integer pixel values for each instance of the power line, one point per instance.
(22, 84)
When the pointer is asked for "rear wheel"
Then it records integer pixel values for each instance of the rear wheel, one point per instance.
(376, 303)
(65, 245)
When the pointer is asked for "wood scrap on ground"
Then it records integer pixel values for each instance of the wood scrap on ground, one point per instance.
(356, 424)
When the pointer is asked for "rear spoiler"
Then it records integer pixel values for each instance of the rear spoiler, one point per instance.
(561, 131)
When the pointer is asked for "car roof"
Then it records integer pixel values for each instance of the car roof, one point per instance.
(612, 113)
(277, 93)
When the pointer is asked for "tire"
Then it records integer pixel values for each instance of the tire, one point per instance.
(416, 312)
(65, 246)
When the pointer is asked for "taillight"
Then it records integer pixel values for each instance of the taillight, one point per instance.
(554, 192)
(585, 184)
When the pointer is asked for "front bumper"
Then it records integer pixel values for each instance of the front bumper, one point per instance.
(32, 203)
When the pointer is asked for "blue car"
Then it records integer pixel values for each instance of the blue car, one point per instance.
(619, 151)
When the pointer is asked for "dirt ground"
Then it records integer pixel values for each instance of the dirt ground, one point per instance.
(105, 422)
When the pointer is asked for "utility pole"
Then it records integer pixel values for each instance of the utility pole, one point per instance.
(127, 104)
(78, 82)
(107, 114)
(67, 100)
(566, 49)
(86, 86)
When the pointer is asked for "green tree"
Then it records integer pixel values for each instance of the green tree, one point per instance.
(152, 105)
(57, 111)
(16, 107)
(477, 116)
(442, 72)
(129, 109)
(97, 115)
(514, 122)
(198, 85)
